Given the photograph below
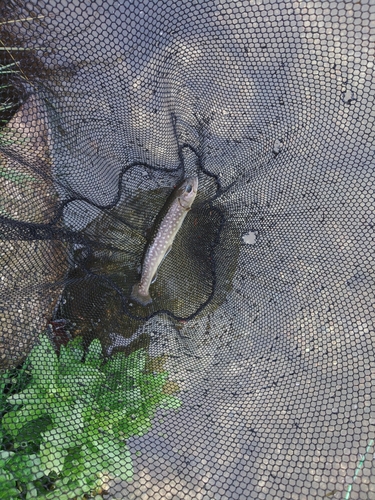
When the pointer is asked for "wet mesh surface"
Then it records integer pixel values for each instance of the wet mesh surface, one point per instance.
(263, 311)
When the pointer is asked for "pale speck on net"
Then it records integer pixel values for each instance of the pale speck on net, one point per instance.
(277, 146)
(249, 238)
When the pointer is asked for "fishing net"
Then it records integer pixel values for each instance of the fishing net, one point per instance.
(251, 373)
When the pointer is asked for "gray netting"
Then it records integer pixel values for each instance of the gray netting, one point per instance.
(263, 310)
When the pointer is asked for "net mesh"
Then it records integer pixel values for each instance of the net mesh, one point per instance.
(250, 375)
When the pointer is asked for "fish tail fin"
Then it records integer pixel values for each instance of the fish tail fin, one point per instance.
(141, 298)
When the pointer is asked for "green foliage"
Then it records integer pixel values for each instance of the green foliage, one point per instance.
(67, 426)
(9, 173)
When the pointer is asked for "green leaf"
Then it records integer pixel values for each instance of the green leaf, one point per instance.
(66, 489)
(14, 421)
(106, 420)
(136, 425)
(94, 354)
(110, 457)
(32, 492)
(4, 456)
(35, 466)
(9, 173)
(170, 402)
(32, 431)
(136, 362)
(52, 458)
(44, 363)
(70, 356)
(59, 438)
(75, 463)
(30, 396)
(82, 379)
(8, 481)
(131, 399)
(121, 367)
(25, 468)
(73, 416)
(77, 478)
(8, 489)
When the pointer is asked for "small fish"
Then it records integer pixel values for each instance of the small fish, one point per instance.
(179, 204)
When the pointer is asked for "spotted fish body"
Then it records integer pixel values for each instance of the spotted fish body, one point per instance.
(182, 200)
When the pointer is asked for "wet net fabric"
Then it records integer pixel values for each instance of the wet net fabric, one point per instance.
(263, 310)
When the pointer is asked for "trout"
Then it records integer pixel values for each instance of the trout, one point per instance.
(179, 204)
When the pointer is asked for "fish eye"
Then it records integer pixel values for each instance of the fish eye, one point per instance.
(188, 188)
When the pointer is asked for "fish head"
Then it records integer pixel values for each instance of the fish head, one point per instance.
(187, 192)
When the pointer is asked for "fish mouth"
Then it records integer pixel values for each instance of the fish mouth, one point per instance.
(186, 199)
(194, 183)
